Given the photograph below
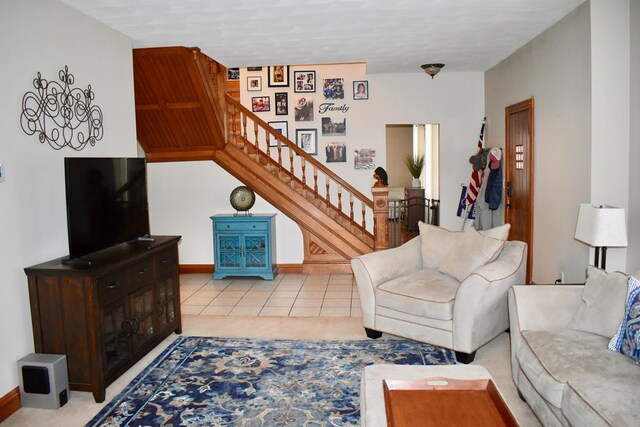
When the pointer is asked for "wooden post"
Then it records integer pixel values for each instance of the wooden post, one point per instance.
(380, 216)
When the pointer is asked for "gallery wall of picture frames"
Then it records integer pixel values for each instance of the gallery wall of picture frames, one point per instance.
(312, 100)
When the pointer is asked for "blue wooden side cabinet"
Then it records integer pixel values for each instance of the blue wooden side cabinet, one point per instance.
(244, 246)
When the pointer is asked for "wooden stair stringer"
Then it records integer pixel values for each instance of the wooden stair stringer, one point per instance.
(291, 203)
(179, 105)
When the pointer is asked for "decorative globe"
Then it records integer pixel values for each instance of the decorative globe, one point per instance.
(242, 198)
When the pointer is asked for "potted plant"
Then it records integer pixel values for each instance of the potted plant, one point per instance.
(415, 165)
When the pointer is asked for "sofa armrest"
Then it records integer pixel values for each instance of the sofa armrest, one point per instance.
(545, 307)
(539, 307)
(371, 270)
(383, 266)
(480, 311)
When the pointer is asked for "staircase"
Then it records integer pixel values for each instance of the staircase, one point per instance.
(186, 110)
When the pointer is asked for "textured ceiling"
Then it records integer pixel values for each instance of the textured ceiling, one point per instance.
(389, 35)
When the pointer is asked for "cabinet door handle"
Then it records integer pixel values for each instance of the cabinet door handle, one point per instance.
(127, 327)
(161, 304)
(113, 285)
(142, 272)
(164, 260)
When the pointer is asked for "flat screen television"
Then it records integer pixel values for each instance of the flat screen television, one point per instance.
(106, 203)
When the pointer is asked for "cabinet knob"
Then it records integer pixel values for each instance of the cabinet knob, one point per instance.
(164, 261)
(142, 272)
(113, 285)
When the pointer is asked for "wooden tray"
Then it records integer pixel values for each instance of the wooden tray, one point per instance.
(445, 402)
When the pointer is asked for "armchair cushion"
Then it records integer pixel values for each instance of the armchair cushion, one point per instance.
(500, 232)
(425, 293)
(436, 242)
(470, 252)
(603, 299)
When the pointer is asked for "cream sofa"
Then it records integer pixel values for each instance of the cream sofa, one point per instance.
(443, 287)
(559, 357)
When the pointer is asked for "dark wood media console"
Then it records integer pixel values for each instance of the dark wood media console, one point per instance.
(109, 312)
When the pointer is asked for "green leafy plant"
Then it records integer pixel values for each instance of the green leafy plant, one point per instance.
(414, 164)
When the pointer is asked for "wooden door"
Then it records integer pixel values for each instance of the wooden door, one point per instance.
(519, 174)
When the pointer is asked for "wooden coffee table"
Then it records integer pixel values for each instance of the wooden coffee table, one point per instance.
(403, 395)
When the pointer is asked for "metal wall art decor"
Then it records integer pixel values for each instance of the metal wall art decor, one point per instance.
(61, 115)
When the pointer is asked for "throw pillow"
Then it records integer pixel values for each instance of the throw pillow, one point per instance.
(436, 242)
(500, 232)
(468, 253)
(602, 306)
(627, 339)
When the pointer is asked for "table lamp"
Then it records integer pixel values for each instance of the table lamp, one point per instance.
(601, 227)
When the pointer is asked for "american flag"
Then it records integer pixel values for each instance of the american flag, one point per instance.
(476, 176)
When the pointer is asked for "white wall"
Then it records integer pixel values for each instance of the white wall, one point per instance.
(554, 68)
(198, 190)
(610, 85)
(399, 145)
(46, 35)
(585, 139)
(633, 221)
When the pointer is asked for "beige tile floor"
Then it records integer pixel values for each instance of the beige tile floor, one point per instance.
(295, 295)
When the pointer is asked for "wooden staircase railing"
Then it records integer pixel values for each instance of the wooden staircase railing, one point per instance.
(186, 94)
(301, 171)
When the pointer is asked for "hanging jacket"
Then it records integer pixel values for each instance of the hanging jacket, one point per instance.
(493, 192)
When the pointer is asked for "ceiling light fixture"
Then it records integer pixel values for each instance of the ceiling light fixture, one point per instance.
(432, 69)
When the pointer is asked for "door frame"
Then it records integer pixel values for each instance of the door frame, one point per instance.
(526, 105)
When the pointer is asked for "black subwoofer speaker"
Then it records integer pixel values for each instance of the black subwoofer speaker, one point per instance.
(44, 381)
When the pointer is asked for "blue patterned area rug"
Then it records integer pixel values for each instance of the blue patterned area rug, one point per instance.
(250, 382)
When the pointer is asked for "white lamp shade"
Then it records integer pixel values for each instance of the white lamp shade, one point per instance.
(601, 226)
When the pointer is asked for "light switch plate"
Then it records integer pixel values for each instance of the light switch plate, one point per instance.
(1, 173)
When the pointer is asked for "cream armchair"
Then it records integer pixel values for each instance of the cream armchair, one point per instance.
(445, 288)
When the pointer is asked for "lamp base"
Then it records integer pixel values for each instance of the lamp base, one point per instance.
(596, 260)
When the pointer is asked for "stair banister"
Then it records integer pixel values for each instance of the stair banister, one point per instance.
(235, 109)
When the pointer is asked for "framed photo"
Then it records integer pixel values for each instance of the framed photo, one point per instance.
(254, 83)
(233, 73)
(282, 103)
(304, 81)
(307, 139)
(364, 158)
(336, 152)
(254, 68)
(260, 104)
(333, 88)
(278, 75)
(304, 109)
(282, 128)
(361, 89)
(332, 126)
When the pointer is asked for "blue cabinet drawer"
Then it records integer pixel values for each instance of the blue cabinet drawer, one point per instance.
(240, 226)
